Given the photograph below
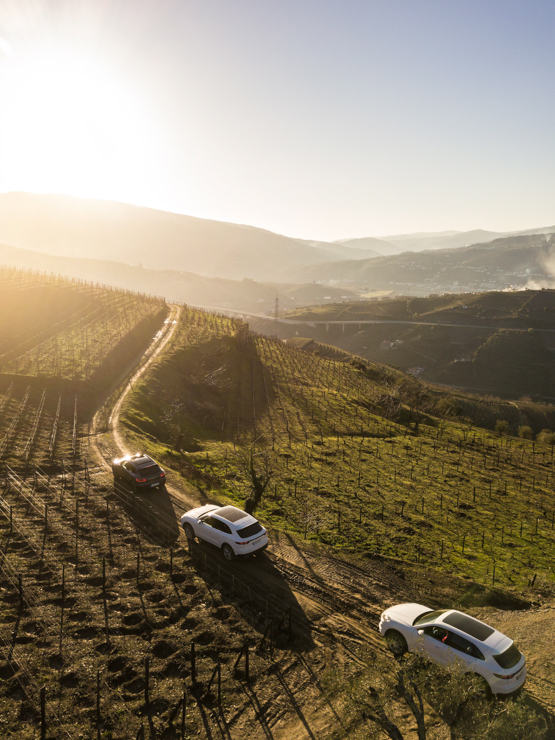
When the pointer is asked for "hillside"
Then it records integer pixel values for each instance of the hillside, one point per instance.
(374, 495)
(449, 239)
(187, 287)
(76, 227)
(419, 242)
(502, 263)
(497, 343)
(337, 433)
(379, 246)
(70, 333)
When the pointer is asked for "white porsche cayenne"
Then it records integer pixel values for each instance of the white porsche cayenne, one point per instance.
(448, 636)
(232, 530)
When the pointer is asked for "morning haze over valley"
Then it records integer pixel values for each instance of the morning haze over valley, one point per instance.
(277, 370)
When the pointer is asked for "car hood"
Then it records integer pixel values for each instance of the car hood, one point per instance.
(195, 513)
(407, 613)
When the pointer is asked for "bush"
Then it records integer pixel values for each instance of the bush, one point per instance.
(525, 432)
(547, 437)
(502, 426)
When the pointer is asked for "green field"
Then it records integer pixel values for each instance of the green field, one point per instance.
(357, 456)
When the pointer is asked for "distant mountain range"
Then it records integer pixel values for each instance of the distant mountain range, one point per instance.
(69, 227)
(77, 227)
(441, 240)
(501, 263)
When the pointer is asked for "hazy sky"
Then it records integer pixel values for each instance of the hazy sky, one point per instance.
(313, 118)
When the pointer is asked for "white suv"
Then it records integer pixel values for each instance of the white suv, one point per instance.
(448, 636)
(232, 530)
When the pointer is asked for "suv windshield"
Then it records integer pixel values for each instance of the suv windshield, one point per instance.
(428, 617)
(250, 530)
(509, 658)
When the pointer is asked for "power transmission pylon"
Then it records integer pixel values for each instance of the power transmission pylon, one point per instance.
(276, 317)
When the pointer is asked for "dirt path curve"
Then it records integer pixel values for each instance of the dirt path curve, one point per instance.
(341, 599)
(159, 343)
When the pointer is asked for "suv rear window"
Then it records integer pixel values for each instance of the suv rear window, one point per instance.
(150, 469)
(250, 530)
(509, 658)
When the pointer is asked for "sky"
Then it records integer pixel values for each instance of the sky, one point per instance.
(320, 119)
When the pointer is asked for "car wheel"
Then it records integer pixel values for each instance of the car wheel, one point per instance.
(479, 687)
(189, 531)
(396, 642)
(227, 552)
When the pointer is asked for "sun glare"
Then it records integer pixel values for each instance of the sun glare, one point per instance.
(69, 125)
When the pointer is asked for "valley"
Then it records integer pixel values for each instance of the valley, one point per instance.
(374, 496)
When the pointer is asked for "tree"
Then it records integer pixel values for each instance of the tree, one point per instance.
(502, 426)
(257, 466)
(525, 432)
(377, 699)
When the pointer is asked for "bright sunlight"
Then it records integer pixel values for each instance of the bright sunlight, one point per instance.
(69, 125)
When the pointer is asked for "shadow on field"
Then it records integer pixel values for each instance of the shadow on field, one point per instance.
(151, 511)
(260, 592)
(461, 715)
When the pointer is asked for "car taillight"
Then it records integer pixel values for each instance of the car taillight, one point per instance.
(501, 675)
(162, 474)
(241, 543)
(140, 480)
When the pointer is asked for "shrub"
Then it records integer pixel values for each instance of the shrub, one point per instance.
(525, 432)
(547, 437)
(502, 426)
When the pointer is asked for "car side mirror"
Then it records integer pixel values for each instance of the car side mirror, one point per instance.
(421, 632)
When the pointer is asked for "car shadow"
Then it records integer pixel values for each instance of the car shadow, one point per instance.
(152, 512)
(259, 591)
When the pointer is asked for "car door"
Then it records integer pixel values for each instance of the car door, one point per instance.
(128, 471)
(459, 649)
(433, 645)
(222, 532)
(205, 529)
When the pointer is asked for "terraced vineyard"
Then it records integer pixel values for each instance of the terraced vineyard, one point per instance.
(53, 326)
(355, 456)
(113, 626)
(107, 618)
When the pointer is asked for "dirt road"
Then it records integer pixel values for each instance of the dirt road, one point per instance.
(342, 598)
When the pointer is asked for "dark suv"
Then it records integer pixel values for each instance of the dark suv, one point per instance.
(141, 471)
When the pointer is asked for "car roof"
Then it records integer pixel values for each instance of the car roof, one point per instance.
(467, 625)
(144, 461)
(139, 458)
(235, 516)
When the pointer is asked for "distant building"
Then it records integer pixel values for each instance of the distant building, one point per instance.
(415, 371)
(386, 344)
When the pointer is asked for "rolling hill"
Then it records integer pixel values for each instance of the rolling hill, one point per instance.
(379, 246)
(499, 264)
(374, 491)
(76, 227)
(448, 239)
(174, 285)
(497, 343)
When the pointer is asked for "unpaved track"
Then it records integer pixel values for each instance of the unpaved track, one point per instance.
(340, 597)
(159, 343)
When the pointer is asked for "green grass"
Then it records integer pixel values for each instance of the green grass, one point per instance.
(349, 468)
